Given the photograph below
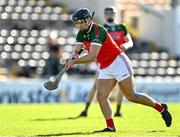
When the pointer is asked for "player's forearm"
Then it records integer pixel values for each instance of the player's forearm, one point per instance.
(128, 44)
(85, 59)
(78, 49)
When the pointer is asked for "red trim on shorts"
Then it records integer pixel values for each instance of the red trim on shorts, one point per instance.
(126, 63)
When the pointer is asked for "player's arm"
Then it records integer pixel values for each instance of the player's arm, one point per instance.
(77, 51)
(78, 46)
(94, 50)
(95, 46)
(128, 42)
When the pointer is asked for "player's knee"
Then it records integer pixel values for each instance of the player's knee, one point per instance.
(100, 96)
(131, 97)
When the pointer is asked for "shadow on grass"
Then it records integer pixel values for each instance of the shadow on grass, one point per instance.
(138, 131)
(74, 133)
(66, 134)
(156, 131)
(89, 133)
(56, 119)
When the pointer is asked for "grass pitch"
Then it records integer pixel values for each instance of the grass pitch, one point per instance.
(60, 120)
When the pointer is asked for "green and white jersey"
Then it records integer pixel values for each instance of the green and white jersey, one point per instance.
(98, 36)
(95, 37)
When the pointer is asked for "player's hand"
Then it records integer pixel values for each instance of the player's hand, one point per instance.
(75, 56)
(123, 48)
(70, 64)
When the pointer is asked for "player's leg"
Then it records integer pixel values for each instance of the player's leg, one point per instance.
(89, 99)
(104, 87)
(128, 88)
(119, 103)
(125, 80)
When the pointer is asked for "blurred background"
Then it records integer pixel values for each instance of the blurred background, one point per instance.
(37, 37)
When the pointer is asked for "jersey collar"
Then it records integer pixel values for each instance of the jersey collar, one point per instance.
(90, 27)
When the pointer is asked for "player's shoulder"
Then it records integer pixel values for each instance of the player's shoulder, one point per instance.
(105, 25)
(100, 27)
(121, 25)
(101, 30)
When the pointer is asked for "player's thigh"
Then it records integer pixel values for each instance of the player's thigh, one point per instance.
(105, 86)
(127, 86)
